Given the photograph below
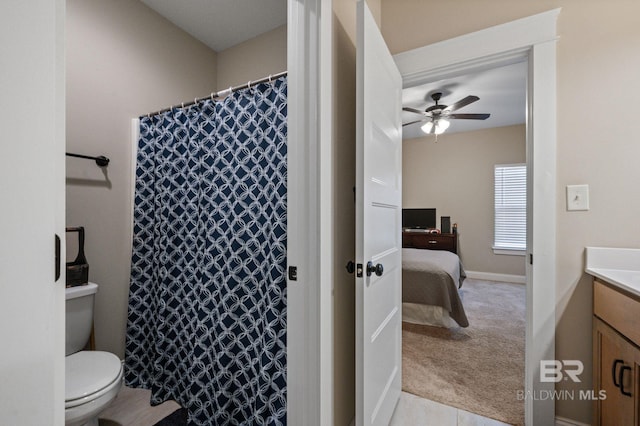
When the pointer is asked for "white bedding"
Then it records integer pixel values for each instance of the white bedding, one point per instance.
(436, 316)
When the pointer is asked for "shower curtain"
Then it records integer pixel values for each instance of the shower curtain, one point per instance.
(207, 302)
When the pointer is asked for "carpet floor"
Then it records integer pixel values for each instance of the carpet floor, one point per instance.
(479, 368)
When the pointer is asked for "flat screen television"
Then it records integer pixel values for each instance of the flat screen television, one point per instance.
(419, 218)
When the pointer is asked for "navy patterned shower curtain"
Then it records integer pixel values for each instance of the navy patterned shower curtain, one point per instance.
(207, 302)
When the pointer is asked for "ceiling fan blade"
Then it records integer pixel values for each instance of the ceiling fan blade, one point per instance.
(415, 121)
(461, 103)
(470, 116)
(417, 111)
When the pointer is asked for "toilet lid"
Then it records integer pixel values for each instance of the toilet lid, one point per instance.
(88, 372)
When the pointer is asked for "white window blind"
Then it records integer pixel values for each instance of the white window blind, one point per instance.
(510, 207)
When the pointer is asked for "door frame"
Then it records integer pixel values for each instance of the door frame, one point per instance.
(309, 212)
(531, 39)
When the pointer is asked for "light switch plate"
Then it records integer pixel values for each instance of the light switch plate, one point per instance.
(577, 197)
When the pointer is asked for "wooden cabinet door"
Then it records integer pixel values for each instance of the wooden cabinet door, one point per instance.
(616, 372)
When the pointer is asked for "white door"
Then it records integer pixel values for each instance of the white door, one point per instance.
(31, 212)
(378, 223)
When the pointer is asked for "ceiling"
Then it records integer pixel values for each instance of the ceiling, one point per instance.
(502, 93)
(221, 24)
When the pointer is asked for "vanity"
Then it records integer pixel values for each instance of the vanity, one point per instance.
(616, 334)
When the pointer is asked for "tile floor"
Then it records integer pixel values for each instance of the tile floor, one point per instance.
(415, 411)
(131, 408)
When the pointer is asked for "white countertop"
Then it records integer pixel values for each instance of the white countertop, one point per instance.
(618, 266)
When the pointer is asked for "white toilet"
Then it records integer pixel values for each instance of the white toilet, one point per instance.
(92, 378)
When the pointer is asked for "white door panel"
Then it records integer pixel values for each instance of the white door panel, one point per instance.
(378, 223)
(32, 212)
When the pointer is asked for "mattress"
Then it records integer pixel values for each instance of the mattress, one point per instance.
(433, 277)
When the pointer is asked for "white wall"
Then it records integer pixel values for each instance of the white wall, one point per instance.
(455, 176)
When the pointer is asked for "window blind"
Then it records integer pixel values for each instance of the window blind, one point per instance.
(510, 231)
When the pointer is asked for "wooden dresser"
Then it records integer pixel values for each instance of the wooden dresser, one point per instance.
(424, 240)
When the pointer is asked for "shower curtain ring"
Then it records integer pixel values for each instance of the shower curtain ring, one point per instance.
(269, 78)
(249, 84)
(182, 104)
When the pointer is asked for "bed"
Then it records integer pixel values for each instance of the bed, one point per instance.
(430, 283)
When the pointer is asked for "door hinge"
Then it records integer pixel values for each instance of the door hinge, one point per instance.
(530, 258)
(293, 273)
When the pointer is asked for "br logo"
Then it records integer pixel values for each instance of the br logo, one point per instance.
(553, 370)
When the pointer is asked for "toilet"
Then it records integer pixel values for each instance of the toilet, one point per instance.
(92, 378)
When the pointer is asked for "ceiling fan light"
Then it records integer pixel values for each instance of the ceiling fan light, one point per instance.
(427, 127)
(441, 126)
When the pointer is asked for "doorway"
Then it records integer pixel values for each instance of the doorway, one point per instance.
(453, 346)
(531, 39)
(302, 44)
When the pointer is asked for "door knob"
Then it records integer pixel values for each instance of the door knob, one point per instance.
(377, 269)
(350, 267)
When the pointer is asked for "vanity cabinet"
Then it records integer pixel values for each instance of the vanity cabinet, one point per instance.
(616, 355)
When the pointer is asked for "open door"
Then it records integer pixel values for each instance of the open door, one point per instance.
(32, 280)
(378, 226)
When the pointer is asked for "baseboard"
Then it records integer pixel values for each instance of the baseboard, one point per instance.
(562, 421)
(490, 276)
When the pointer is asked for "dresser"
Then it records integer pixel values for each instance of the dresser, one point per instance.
(423, 240)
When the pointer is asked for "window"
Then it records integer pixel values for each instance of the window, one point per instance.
(510, 231)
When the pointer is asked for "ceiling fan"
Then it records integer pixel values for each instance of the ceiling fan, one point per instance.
(437, 116)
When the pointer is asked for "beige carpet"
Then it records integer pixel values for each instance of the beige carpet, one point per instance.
(479, 368)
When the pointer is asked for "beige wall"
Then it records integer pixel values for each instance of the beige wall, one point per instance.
(344, 157)
(123, 60)
(597, 70)
(253, 59)
(455, 176)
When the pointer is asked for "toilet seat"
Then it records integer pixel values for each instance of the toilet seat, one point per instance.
(89, 375)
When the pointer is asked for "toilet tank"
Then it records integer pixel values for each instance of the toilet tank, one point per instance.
(79, 316)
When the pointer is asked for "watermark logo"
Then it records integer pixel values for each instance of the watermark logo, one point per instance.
(562, 395)
(553, 370)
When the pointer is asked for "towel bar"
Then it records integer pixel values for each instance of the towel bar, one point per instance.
(101, 161)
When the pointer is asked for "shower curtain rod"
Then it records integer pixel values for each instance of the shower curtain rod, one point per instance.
(221, 93)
